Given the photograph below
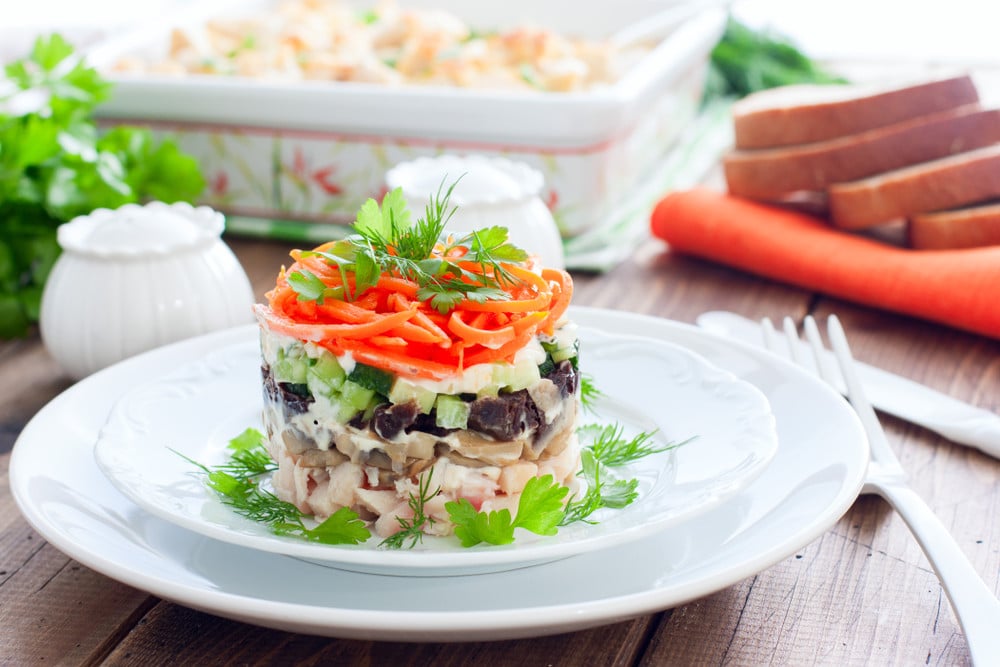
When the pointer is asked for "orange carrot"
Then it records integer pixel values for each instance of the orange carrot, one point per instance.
(388, 326)
(960, 288)
(485, 337)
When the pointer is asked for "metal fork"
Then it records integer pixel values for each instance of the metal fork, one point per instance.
(975, 605)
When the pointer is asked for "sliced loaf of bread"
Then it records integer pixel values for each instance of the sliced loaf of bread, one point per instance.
(806, 113)
(773, 173)
(960, 180)
(968, 227)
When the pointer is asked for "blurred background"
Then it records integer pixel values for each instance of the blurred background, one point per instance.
(957, 31)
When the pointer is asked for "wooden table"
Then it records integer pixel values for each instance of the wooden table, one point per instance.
(862, 593)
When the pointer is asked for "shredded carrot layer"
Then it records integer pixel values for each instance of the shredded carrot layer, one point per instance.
(388, 327)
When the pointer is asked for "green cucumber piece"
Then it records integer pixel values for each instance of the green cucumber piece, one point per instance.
(451, 412)
(403, 392)
(372, 378)
(290, 368)
(325, 376)
(356, 396)
(562, 353)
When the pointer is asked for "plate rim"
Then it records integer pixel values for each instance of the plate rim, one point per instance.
(476, 625)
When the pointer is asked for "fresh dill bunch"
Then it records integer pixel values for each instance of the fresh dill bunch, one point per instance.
(412, 529)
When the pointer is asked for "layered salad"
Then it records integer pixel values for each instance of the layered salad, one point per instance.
(403, 354)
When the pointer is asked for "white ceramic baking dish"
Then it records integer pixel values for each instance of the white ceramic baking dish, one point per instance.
(314, 151)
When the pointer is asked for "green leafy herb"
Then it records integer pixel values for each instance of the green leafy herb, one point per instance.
(612, 449)
(412, 530)
(589, 393)
(55, 165)
(615, 494)
(746, 60)
(237, 484)
(540, 510)
(387, 241)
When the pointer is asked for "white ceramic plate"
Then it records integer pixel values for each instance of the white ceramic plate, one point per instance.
(650, 385)
(812, 480)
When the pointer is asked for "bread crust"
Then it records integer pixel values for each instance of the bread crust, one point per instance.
(969, 227)
(961, 180)
(772, 173)
(804, 114)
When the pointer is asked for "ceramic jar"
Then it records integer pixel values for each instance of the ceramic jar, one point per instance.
(490, 192)
(138, 277)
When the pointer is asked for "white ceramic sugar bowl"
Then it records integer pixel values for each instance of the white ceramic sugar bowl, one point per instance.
(138, 277)
(490, 192)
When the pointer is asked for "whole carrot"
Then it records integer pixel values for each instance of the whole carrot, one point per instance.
(960, 288)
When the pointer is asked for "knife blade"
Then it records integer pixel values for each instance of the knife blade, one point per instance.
(918, 404)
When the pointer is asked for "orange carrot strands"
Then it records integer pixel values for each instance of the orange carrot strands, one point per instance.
(487, 338)
(503, 353)
(410, 331)
(530, 321)
(562, 298)
(320, 332)
(541, 299)
(423, 320)
(388, 326)
(480, 320)
(388, 341)
(345, 312)
(392, 361)
(402, 285)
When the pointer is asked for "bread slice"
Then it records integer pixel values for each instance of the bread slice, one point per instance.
(952, 182)
(774, 172)
(961, 228)
(806, 113)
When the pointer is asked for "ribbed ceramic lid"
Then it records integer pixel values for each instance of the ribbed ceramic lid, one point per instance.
(481, 180)
(135, 230)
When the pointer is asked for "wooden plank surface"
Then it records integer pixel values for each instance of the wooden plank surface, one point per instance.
(861, 594)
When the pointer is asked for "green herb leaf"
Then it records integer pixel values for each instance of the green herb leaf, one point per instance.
(746, 60)
(237, 484)
(387, 241)
(307, 285)
(589, 393)
(54, 165)
(540, 510)
(341, 527)
(412, 530)
(612, 449)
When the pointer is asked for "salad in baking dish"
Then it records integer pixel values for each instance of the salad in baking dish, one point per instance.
(419, 383)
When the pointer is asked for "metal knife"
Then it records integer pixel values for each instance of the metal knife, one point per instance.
(954, 419)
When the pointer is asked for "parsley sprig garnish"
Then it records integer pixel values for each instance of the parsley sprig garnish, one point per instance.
(540, 510)
(387, 241)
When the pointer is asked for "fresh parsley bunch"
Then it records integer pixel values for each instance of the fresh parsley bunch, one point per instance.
(54, 165)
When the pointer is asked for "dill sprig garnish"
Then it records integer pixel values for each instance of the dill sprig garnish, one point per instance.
(237, 483)
(412, 529)
(386, 241)
(612, 449)
(589, 393)
(615, 494)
